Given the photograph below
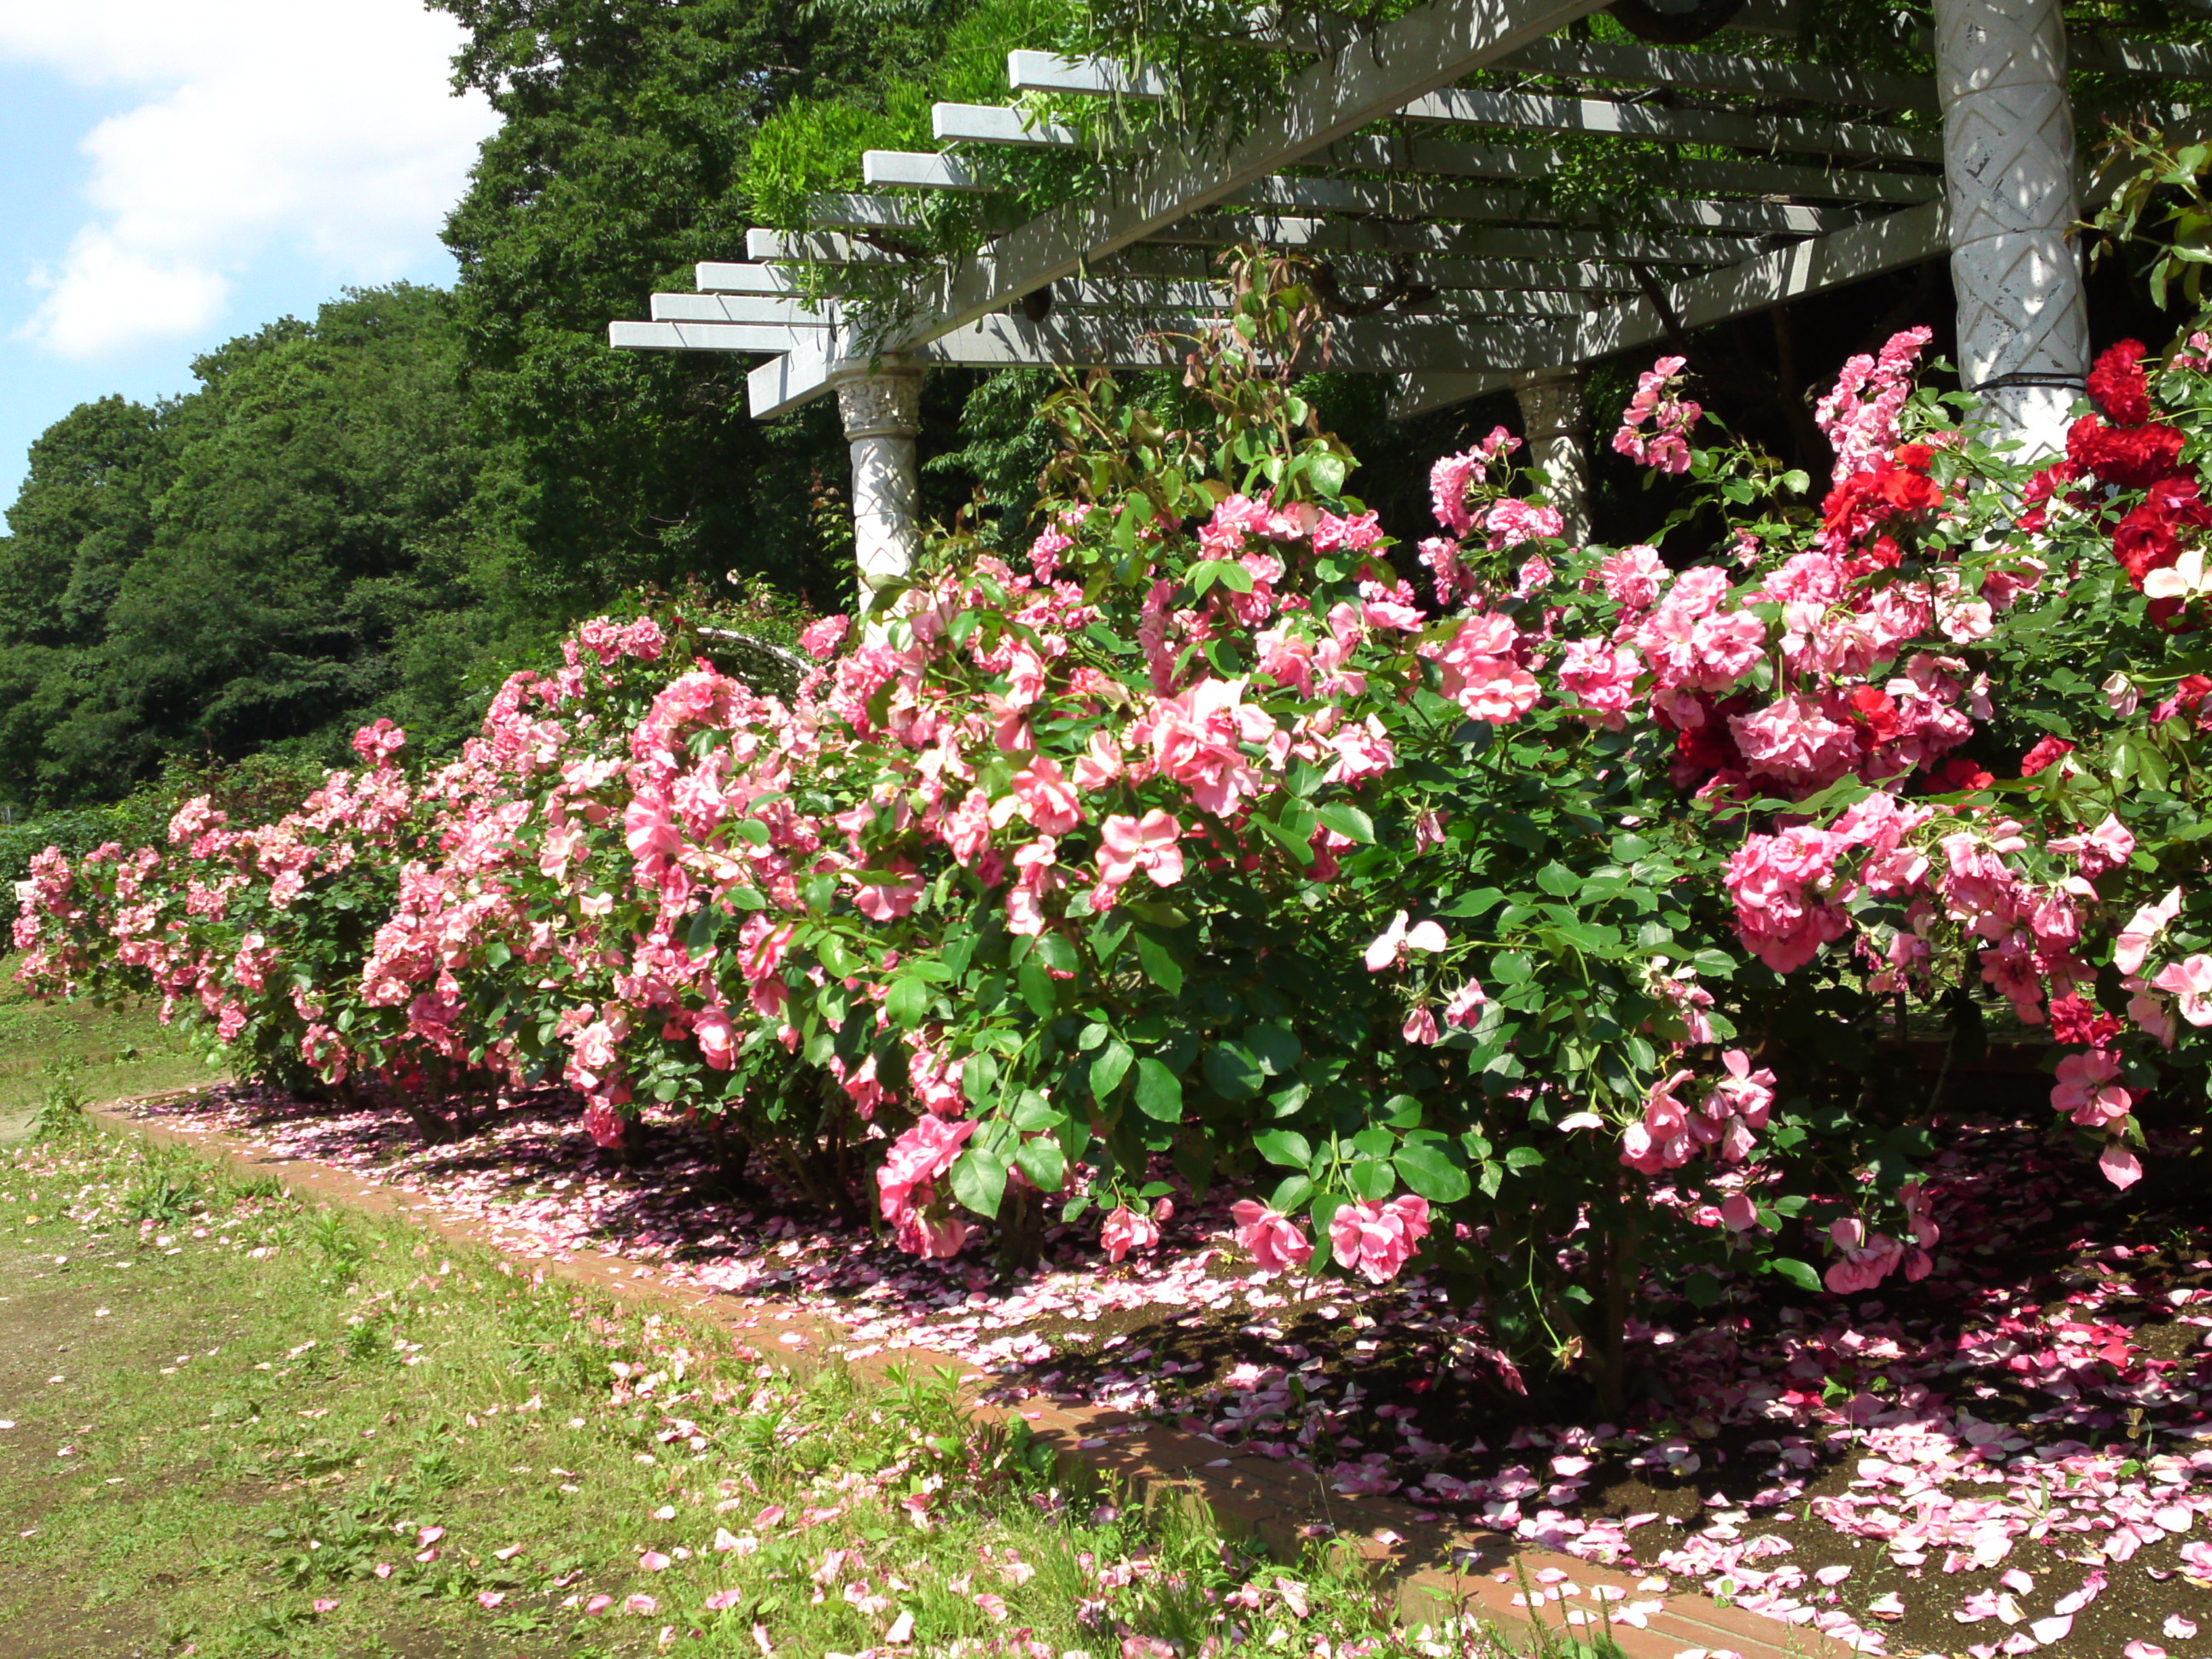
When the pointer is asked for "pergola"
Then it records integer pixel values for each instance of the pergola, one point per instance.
(1457, 279)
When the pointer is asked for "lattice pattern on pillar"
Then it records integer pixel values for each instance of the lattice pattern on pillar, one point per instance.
(2012, 175)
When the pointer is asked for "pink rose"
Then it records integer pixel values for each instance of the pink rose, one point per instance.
(1276, 1244)
(1147, 843)
(1126, 1230)
(1375, 1239)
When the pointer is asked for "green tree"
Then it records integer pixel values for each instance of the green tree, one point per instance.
(617, 165)
(282, 554)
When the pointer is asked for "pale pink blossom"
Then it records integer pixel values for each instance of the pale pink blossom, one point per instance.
(2135, 940)
(1389, 948)
(1125, 1230)
(1375, 1240)
(2191, 980)
(1274, 1241)
(1147, 843)
(2105, 847)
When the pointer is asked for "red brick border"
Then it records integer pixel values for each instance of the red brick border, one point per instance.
(1258, 1496)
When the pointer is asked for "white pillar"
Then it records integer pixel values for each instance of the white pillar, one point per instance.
(881, 406)
(2012, 176)
(1557, 432)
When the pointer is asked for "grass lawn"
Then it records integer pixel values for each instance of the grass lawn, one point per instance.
(231, 1426)
(114, 1052)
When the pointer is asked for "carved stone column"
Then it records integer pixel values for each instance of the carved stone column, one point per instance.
(1558, 429)
(881, 406)
(2012, 176)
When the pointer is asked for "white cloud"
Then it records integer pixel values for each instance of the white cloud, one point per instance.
(321, 128)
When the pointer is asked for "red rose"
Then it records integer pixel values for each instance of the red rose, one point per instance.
(2074, 1020)
(2043, 755)
(2149, 537)
(2135, 457)
(2117, 383)
(1956, 774)
(1877, 710)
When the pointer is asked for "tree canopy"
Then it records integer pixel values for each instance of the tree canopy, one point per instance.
(259, 563)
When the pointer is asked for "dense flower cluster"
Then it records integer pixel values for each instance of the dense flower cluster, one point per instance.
(1205, 842)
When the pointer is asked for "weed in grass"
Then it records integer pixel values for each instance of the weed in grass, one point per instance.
(61, 1105)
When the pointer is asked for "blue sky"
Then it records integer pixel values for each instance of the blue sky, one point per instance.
(181, 171)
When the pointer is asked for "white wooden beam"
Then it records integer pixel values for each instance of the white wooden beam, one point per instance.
(1313, 235)
(1421, 199)
(820, 248)
(1416, 153)
(705, 337)
(1621, 120)
(740, 308)
(1891, 243)
(1595, 60)
(1712, 71)
(1156, 294)
(2166, 60)
(1384, 344)
(724, 277)
(905, 169)
(1428, 48)
(1099, 78)
(990, 124)
(1553, 276)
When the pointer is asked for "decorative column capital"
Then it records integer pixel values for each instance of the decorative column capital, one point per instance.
(882, 400)
(1551, 403)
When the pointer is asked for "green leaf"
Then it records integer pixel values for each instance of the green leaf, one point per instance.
(1037, 987)
(1797, 1273)
(978, 1181)
(1034, 1114)
(1227, 571)
(1285, 1146)
(1234, 1071)
(1522, 1158)
(1372, 1178)
(1472, 904)
(1276, 1045)
(908, 1000)
(1056, 951)
(750, 830)
(1425, 1169)
(1328, 472)
(1159, 965)
(1559, 881)
(978, 1079)
(1159, 1091)
(745, 898)
(1108, 1068)
(1347, 821)
(699, 937)
(1295, 1190)
(1042, 1162)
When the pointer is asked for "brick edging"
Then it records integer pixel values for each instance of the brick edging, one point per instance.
(1258, 1497)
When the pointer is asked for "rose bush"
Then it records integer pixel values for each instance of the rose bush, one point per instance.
(1551, 918)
